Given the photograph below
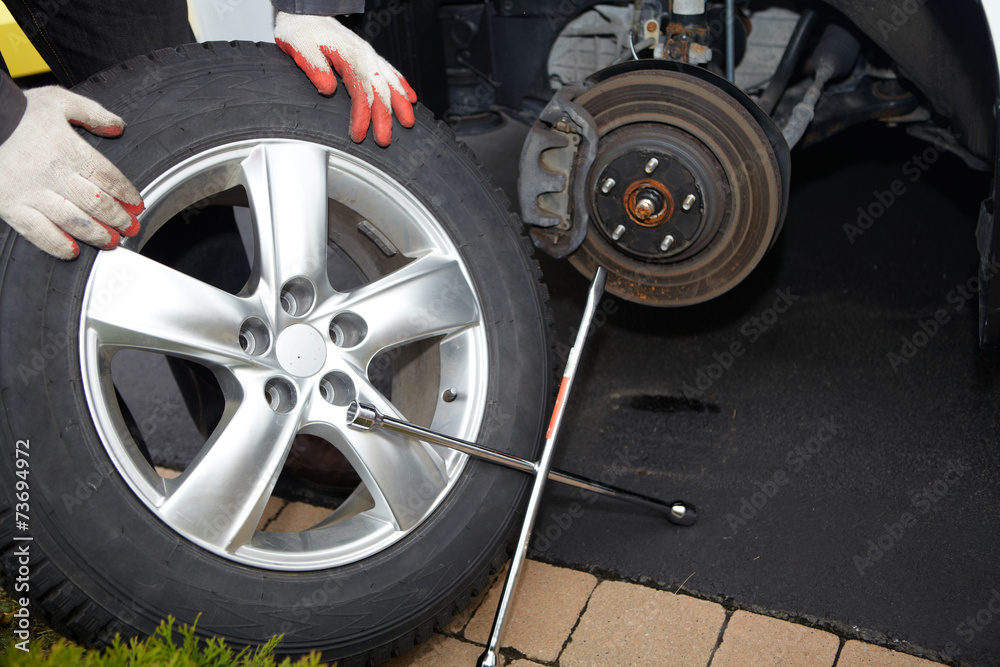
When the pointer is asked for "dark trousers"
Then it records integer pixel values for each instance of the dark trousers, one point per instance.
(79, 38)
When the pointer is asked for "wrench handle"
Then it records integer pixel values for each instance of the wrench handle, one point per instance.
(491, 657)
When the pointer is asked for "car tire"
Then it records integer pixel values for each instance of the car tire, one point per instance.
(115, 546)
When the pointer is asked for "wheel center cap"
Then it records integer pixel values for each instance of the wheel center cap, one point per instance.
(301, 350)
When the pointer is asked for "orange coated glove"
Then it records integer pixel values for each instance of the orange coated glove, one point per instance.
(377, 90)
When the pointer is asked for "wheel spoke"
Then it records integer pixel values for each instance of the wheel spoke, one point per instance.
(404, 476)
(427, 297)
(286, 185)
(222, 493)
(139, 303)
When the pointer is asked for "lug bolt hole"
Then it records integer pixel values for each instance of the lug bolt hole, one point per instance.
(298, 296)
(254, 337)
(280, 395)
(337, 388)
(347, 330)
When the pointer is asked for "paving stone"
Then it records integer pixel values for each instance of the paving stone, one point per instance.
(439, 651)
(859, 654)
(547, 605)
(296, 517)
(752, 639)
(271, 510)
(626, 624)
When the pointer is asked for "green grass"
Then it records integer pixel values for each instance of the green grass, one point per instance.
(42, 637)
(168, 647)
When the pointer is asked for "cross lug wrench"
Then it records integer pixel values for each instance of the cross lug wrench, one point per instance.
(365, 417)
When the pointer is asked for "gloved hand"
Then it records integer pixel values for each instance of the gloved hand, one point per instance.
(316, 42)
(55, 187)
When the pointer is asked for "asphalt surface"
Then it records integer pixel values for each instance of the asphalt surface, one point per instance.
(844, 463)
(835, 483)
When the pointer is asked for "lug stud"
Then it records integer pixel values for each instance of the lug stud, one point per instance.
(617, 234)
(608, 185)
(666, 243)
(688, 202)
(652, 165)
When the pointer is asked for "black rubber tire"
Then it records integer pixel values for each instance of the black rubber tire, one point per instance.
(105, 564)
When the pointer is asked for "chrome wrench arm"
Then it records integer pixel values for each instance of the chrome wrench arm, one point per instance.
(364, 417)
(491, 656)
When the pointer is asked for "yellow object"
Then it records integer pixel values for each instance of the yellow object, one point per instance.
(18, 53)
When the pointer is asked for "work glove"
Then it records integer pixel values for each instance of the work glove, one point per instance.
(55, 187)
(375, 87)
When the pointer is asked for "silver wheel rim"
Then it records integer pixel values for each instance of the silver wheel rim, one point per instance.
(281, 368)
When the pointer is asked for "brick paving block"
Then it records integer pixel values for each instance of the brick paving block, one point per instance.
(752, 639)
(296, 517)
(439, 651)
(626, 624)
(271, 510)
(860, 654)
(547, 605)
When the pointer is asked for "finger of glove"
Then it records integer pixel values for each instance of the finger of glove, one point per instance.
(381, 122)
(133, 210)
(408, 92)
(90, 115)
(95, 202)
(75, 222)
(361, 104)
(319, 72)
(46, 236)
(402, 108)
(100, 172)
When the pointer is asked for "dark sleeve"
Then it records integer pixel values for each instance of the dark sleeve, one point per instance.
(12, 103)
(322, 7)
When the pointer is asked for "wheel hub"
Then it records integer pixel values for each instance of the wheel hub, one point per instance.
(685, 192)
(668, 204)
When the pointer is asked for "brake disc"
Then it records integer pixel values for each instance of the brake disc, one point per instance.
(686, 192)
